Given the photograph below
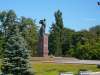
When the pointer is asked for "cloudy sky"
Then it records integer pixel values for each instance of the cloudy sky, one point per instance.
(77, 14)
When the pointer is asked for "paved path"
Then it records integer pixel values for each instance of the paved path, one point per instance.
(77, 61)
(95, 73)
(64, 60)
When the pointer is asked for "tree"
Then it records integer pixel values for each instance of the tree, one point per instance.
(56, 32)
(15, 58)
(67, 41)
(1, 44)
(9, 22)
(86, 44)
(3, 16)
(52, 40)
(27, 27)
(81, 45)
(30, 34)
(95, 30)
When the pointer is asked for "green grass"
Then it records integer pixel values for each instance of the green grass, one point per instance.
(54, 69)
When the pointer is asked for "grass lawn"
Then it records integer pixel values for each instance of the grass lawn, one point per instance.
(54, 69)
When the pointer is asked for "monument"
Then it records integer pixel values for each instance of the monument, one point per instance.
(43, 40)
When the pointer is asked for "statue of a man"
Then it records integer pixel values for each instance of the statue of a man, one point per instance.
(42, 29)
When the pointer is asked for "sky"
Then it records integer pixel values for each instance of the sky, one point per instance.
(77, 14)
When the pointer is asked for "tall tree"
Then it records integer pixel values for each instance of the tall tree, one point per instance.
(52, 40)
(56, 32)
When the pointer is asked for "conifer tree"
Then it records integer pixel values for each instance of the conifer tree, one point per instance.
(15, 59)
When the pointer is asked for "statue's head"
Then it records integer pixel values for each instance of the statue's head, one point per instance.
(42, 21)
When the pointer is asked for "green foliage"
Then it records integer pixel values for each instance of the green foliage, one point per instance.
(29, 32)
(95, 30)
(84, 44)
(55, 37)
(27, 28)
(15, 57)
(2, 42)
(67, 41)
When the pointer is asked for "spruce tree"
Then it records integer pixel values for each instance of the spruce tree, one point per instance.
(15, 59)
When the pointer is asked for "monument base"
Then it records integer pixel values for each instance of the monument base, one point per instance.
(43, 46)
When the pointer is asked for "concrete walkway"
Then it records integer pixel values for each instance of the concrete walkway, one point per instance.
(77, 61)
(64, 60)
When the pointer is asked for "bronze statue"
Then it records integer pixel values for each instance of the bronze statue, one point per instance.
(42, 28)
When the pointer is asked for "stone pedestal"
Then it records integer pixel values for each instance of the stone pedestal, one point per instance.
(43, 46)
